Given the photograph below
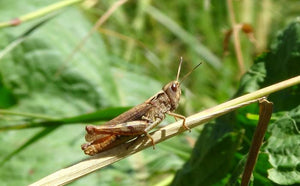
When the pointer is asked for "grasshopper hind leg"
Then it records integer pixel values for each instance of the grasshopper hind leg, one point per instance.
(104, 137)
(98, 145)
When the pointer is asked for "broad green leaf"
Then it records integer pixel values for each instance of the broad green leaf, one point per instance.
(6, 98)
(254, 77)
(38, 157)
(283, 148)
(38, 76)
(42, 81)
(285, 57)
(280, 63)
(29, 73)
(32, 140)
(283, 62)
(211, 157)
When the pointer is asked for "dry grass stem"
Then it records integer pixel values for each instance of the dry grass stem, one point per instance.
(265, 113)
(236, 39)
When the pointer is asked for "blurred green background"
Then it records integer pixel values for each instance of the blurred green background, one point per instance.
(134, 53)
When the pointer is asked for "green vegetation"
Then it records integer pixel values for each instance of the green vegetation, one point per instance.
(52, 84)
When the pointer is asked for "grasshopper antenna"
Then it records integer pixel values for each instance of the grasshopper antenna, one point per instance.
(184, 77)
(179, 68)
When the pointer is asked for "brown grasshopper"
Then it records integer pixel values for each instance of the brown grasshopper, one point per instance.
(139, 120)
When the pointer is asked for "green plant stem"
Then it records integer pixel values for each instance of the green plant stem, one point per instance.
(100, 115)
(38, 13)
(29, 115)
(255, 117)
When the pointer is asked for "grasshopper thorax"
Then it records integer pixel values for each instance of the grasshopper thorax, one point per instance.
(173, 92)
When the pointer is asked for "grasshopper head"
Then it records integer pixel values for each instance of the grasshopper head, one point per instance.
(173, 91)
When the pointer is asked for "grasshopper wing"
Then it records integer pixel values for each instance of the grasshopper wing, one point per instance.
(132, 114)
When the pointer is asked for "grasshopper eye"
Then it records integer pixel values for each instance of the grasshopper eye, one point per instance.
(174, 87)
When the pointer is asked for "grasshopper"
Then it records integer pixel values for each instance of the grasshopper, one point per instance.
(139, 120)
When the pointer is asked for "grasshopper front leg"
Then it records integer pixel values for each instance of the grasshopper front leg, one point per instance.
(151, 126)
(180, 117)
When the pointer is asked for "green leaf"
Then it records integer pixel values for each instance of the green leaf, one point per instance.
(254, 77)
(285, 56)
(283, 149)
(6, 97)
(42, 81)
(283, 62)
(32, 140)
(37, 75)
(280, 63)
(211, 157)
(100, 115)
